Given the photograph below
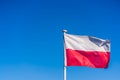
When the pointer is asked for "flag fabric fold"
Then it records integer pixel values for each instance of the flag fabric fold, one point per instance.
(86, 51)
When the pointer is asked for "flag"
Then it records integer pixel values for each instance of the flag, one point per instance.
(86, 51)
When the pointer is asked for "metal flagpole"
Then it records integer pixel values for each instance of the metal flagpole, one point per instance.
(64, 31)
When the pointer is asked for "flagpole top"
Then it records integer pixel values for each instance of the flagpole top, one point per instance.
(64, 31)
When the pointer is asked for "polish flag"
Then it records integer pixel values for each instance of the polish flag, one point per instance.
(86, 51)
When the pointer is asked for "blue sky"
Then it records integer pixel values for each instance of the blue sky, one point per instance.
(31, 38)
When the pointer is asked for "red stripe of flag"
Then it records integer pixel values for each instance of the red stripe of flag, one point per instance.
(95, 59)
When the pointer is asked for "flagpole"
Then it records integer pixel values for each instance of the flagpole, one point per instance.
(64, 32)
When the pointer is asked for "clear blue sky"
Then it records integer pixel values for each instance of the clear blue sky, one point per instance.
(31, 38)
